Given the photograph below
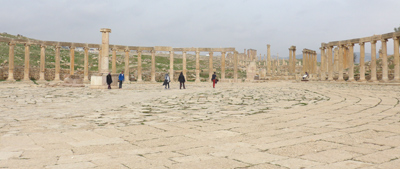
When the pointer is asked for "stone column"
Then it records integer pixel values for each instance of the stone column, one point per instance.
(362, 62)
(396, 59)
(290, 60)
(336, 59)
(197, 66)
(184, 63)
(321, 67)
(99, 60)
(105, 47)
(114, 60)
(26, 67)
(72, 60)
(330, 64)
(210, 66)
(385, 77)
(153, 66)
(42, 62)
(269, 59)
(373, 61)
(341, 58)
(86, 66)
(126, 70)
(11, 61)
(57, 64)
(235, 67)
(294, 60)
(223, 65)
(351, 62)
(171, 65)
(304, 69)
(139, 66)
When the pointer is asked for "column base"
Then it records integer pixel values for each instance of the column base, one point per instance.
(351, 80)
(374, 81)
(86, 81)
(197, 81)
(362, 81)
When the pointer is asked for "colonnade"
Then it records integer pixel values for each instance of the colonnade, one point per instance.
(114, 48)
(309, 61)
(345, 58)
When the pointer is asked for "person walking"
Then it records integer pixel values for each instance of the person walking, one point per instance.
(214, 79)
(109, 80)
(181, 80)
(121, 78)
(166, 81)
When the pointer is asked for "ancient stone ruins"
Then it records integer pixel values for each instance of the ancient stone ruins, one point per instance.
(260, 115)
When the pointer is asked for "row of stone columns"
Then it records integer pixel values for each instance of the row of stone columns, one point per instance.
(309, 61)
(102, 65)
(326, 59)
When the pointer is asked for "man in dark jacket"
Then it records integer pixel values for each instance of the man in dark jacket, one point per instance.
(214, 79)
(109, 80)
(181, 80)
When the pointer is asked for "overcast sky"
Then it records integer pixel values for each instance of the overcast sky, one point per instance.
(242, 24)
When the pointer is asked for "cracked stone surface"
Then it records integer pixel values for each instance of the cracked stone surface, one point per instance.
(246, 125)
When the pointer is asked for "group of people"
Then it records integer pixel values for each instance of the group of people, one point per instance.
(167, 80)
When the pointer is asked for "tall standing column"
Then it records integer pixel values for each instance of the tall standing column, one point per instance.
(362, 62)
(57, 64)
(351, 62)
(42, 62)
(385, 77)
(105, 47)
(184, 63)
(99, 61)
(396, 59)
(373, 61)
(72, 60)
(153, 66)
(197, 66)
(210, 66)
(330, 64)
(139, 66)
(114, 60)
(293, 65)
(269, 59)
(223, 65)
(341, 57)
(86, 66)
(290, 60)
(26, 68)
(11, 61)
(126, 72)
(321, 67)
(235, 67)
(304, 69)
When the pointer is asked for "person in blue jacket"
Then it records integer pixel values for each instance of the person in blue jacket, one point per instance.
(121, 78)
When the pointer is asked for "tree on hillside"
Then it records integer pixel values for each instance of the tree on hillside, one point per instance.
(397, 29)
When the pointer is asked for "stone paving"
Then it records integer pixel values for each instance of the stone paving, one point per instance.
(247, 125)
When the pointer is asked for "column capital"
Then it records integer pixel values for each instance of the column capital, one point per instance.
(86, 48)
(58, 47)
(350, 44)
(127, 50)
(395, 37)
(268, 45)
(42, 46)
(11, 44)
(183, 52)
(373, 41)
(114, 49)
(72, 47)
(383, 40)
(104, 30)
(225, 53)
(361, 43)
(139, 51)
(153, 51)
(27, 44)
(197, 52)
